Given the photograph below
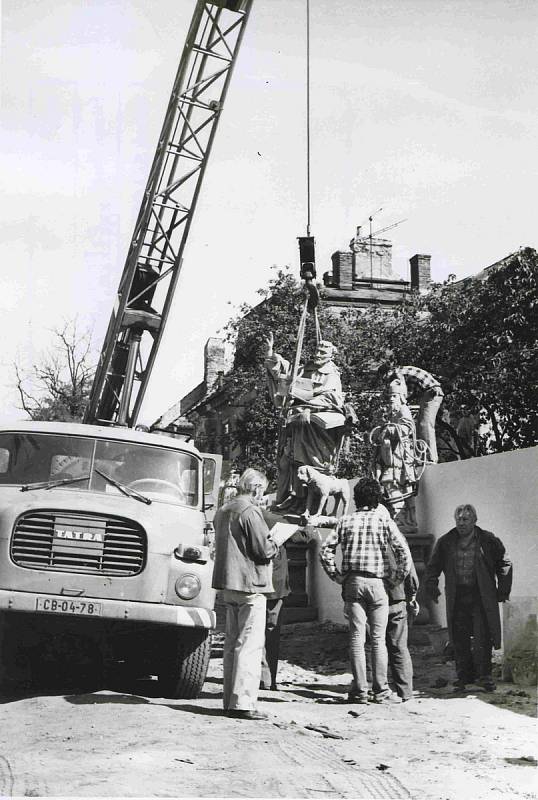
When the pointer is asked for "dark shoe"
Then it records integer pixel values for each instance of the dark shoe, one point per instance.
(268, 686)
(361, 698)
(358, 699)
(460, 685)
(237, 713)
(387, 699)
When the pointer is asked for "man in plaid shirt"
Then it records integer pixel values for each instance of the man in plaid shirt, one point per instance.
(429, 394)
(373, 551)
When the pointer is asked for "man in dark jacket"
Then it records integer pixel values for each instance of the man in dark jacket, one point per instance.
(243, 552)
(478, 576)
(273, 620)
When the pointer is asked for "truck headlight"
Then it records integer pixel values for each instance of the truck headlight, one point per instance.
(188, 586)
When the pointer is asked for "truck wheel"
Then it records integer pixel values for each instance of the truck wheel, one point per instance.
(15, 669)
(184, 662)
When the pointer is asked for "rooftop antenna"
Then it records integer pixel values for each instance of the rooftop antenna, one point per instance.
(370, 218)
(381, 230)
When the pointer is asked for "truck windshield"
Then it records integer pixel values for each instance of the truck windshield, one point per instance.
(157, 472)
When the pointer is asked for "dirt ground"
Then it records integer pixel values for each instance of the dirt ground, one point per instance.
(75, 742)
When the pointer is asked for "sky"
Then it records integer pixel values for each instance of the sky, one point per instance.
(423, 108)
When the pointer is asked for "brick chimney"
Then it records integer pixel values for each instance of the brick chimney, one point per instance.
(420, 272)
(342, 269)
(214, 357)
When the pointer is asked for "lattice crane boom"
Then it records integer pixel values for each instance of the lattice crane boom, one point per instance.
(154, 259)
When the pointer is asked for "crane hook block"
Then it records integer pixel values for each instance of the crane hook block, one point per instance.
(312, 294)
(307, 257)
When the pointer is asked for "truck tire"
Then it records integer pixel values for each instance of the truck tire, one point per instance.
(15, 669)
(184, 662)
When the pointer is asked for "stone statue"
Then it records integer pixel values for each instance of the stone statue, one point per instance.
(321, 488)
(395, 459)
(428, 393)
(312, 405)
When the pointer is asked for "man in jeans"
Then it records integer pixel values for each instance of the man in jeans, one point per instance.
(402, 606)
(373, 551)
(244, 549)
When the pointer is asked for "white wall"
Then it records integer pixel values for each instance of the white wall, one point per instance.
(504, 490)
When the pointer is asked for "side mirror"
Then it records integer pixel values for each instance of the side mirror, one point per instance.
(211, 479)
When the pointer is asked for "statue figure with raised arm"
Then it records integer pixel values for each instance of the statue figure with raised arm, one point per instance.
(312, 404)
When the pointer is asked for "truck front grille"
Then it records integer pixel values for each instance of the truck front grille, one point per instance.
(67, 541)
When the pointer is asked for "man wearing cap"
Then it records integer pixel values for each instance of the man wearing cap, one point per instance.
(315, 419)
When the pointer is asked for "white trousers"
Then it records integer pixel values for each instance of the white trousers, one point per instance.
(243, 649)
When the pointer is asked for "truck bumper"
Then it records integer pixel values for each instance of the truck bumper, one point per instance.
(128, 610)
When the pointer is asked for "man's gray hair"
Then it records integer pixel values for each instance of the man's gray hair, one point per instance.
(250, 480)
(466, 507)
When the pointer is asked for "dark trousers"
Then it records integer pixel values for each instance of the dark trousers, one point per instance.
(471, 637)
(400, 662)
(273, 619)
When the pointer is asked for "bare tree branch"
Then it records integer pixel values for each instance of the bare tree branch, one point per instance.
(57, 387)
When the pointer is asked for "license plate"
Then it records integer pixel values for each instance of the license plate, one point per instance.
(55, 605)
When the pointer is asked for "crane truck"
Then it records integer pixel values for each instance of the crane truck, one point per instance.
(105, 530)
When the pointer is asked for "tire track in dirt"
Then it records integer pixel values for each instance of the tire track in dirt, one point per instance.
(348, 780)
(6, 778)
(18, 778)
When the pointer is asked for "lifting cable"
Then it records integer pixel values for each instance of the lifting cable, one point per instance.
(308, 117)
(306, 257)
(312, 292)
(306, 243)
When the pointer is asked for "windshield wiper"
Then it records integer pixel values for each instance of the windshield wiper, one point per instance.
(125, 489)
(27, 487)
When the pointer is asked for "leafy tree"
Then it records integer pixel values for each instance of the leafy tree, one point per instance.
(480, 339)
(362, 337)
(279, 310)
(477, 336)
(58, 387)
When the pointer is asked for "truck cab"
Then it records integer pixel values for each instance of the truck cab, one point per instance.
(105, 532)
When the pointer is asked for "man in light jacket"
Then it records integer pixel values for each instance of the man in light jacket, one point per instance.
(243, 572)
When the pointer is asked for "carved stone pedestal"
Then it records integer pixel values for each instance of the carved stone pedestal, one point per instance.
(296, 604)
